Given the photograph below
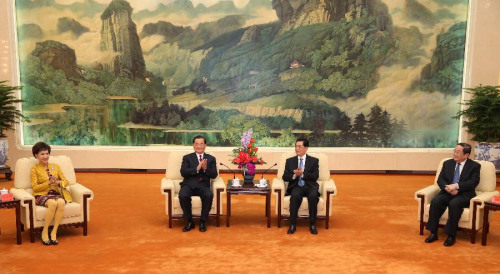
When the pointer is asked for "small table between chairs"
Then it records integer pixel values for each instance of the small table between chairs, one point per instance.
(486, 225)
(249, 189)
(17, 205)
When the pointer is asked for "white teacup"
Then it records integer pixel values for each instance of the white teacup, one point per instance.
(236, 182)
(263, 182)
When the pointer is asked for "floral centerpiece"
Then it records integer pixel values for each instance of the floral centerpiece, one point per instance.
(246, 156)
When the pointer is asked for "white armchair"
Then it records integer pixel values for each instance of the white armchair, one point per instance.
(76, 213)
(472, 217)
(170, 187)
(327, 190)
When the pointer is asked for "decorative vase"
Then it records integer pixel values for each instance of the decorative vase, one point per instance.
(4, 151)
(488, 152)
(247, 178)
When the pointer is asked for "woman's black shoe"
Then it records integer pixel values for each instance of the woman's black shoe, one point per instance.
(46, 242)
(53, 242)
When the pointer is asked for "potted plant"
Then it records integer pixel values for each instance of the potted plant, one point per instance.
(482, 118)
(9, 116)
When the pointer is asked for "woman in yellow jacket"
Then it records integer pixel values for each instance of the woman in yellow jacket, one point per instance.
(46, 181)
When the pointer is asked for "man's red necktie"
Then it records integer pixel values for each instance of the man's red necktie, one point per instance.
(201, 159)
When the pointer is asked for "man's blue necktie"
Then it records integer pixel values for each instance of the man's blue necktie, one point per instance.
(301, 165)
(456, 176)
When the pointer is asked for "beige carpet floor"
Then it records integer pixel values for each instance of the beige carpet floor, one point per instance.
(373, 229)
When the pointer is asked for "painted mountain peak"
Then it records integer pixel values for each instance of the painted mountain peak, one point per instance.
(295, 13)
(119, 38)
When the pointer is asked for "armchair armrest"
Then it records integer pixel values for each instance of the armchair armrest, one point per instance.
(327, 188)
(481, 198)
(78, 191)
(218, 183)
(428, 193)
(278, 184)
(22, 195)
(27, 204)
(167, 184)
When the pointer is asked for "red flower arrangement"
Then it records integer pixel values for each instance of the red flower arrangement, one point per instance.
(246, 156)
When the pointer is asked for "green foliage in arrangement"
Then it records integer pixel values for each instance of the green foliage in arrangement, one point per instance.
(482, 113)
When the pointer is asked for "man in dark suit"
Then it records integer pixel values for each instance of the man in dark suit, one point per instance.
(197, 169)
(302, 173)
(458, 180)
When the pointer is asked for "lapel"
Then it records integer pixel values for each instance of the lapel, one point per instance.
(194, 159)
(308, 162)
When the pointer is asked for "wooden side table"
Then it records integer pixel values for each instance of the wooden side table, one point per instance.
(250, 189)
(6, 170)
(17, 205)
(486, 224)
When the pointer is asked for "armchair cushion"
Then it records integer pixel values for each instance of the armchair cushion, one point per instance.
(304, 205)
(70, 210)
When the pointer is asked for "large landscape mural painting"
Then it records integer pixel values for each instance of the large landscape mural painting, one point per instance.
(344, 73)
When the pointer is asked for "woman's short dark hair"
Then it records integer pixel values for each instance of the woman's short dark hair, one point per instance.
(40, 146)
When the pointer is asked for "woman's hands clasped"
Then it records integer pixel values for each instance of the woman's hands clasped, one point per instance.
(53, 181)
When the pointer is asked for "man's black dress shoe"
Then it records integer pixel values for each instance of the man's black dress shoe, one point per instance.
(203, 227)
(431, 238)
(291, 230)
(313, 229)
(449, 241)
(189, 226)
